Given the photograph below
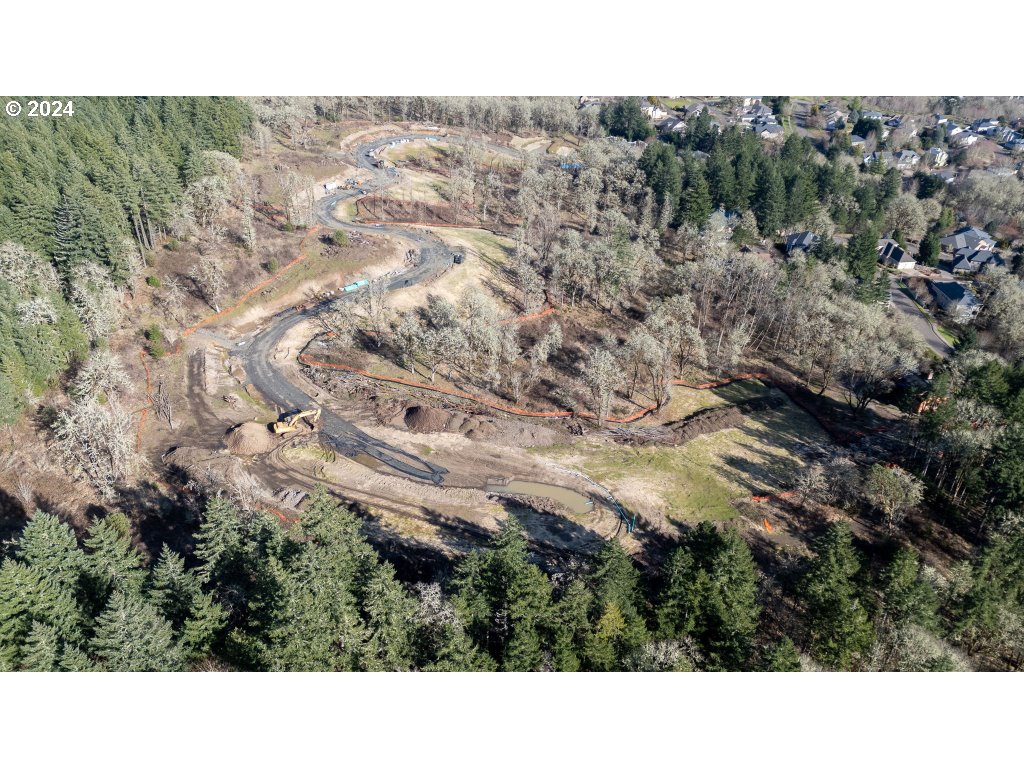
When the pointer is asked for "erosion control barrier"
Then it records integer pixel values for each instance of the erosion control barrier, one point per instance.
(256, 288)
(311, 361)
(206, 320)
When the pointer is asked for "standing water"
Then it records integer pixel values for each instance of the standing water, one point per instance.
(576, 502)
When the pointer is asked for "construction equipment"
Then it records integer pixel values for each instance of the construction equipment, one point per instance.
(288, 422)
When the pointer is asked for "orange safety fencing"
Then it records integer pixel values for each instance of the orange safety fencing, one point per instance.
(781, 495)
(313, 362)
(255, 289)
(528, 318)
(189, 331)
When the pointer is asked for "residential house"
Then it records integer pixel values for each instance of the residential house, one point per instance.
(756, 113)
(964, 139)
(857, 142)
(892, 255)
(948, 175)
(835, 120)
(654, 111)
(771, 131)
(696, 109)
(906, 160)
(956, 300)
(952, 129)
(671, 125)
(968, 237)
(872, 115)
(937, 157)
(1016, 147)
(974, 260)
(986, 126)
(750, 101)
(801, 242)
(887, 159)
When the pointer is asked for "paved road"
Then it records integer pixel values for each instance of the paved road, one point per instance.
(276, 387)
(922, 324)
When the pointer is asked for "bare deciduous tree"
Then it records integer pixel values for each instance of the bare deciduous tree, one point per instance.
(98, 442)
(209, 278)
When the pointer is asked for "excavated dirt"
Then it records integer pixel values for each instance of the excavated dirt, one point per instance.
(425, 418)
(704, 423)
(195, 462)
(249, 439)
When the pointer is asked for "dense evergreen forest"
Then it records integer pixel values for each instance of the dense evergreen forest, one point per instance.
(318, 597)
(81, 197)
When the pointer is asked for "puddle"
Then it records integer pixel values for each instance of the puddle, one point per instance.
(577, 502)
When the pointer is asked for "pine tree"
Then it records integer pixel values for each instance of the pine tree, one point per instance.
(710, 593)
(572, 626)
(769, 198)
(906, 598)
(131, 636)
(695, 206)
(607, 645)
(113, 562)
(781, 657)
(390, 622)
(836, 619)
(41, 651)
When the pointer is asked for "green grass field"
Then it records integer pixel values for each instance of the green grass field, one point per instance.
(702, 479)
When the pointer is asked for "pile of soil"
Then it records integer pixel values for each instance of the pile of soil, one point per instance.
(249, 439)
(425, 418)
(704, 423)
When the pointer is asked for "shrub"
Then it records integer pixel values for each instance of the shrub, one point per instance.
(288, 227)
(153, 281)
(273, 264)
(172, 245)
(340, 237)
(155, 337)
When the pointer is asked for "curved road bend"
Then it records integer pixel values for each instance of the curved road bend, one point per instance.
(277, 388)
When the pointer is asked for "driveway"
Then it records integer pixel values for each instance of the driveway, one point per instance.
(922, 322)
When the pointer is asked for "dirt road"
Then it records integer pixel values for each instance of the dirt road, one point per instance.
(257, 352)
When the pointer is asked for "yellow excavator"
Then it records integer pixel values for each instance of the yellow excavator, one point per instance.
(288, 422)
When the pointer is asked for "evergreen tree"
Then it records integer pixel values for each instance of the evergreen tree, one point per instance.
(862, 255)
(390, 623)
(769, 198)
(572, 626)
(695, 205)
(836, 619)
(781, 657)
(710, 593)
(131, 636)
(41, 649)
(906, 598)
(113, 562)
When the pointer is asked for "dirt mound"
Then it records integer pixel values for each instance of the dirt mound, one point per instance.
(704, 423)
(425, 418)
(249, 439)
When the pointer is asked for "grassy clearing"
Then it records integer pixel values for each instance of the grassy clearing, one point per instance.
(687, 401)
(677, 103)
(701, 479)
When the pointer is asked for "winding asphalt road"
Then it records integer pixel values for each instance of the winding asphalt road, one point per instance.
(276, 387)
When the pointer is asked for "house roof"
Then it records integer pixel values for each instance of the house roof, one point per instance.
(968, 237)
(802, 240)
(890, 249)
(955, 292)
